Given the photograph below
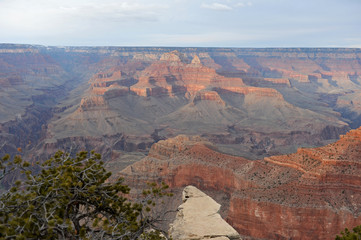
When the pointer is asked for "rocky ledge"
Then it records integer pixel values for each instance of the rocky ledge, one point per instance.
(198, 218)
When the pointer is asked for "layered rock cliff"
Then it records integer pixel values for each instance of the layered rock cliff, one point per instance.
(311, 194)
(250, 102)
(245, 102)
(247, 105)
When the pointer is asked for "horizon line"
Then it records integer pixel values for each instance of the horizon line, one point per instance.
(181, 47)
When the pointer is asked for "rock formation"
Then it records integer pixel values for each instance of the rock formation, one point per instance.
(248, 105)
(246, 102)
(173, 75)
(198, 218)
(311, 194)
(250, 102)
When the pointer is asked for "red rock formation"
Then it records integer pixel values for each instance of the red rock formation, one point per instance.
(103, 79)
(173, 75)
(255, 101)
(178, 90)
(92, 103)
(311, 194)
(259, 92)
(209, 96)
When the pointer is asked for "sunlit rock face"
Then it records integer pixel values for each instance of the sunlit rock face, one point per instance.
(198, 218)
(311, 194)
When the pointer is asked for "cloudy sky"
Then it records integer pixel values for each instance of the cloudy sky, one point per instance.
(198, 23)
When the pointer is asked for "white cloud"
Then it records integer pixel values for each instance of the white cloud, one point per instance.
(48, 15)
(180, 22)
(217, 6)
(123, 10)
(244, 4)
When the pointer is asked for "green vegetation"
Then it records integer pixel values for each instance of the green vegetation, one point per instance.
(71, 198)
(347, 235)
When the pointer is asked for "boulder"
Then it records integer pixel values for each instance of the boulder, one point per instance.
(198, 218)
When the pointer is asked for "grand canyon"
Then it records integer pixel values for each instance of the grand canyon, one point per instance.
(270, 133)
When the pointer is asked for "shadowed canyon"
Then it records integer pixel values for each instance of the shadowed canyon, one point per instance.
(256, 129)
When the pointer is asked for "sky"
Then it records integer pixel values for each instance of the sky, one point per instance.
(183, 23)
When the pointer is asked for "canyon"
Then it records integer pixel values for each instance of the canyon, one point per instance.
(256, 129)
(249, 102)
(311, 194)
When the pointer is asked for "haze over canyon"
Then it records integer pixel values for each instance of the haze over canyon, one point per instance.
(256, 129)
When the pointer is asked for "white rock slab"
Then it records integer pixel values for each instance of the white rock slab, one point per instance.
(198, 218)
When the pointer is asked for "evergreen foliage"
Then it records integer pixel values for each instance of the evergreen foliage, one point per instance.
(347, 235)
(70, 198)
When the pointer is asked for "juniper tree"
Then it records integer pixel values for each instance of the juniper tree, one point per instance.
(347, 235)
(71, 198)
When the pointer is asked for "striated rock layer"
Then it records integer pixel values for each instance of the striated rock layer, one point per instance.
(311, 194)
(246, 102)
(249, 102)
(230, 99)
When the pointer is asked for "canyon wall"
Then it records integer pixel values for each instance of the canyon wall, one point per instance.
(249, 102)
(196, 116)
(311, 194)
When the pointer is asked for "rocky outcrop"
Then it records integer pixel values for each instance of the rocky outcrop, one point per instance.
(259, 92)
(196, 60)
(198, 218)
(331, 161)
(173, 74)
(311, 194)
(209, 96)
(173, 57)
(92, 103)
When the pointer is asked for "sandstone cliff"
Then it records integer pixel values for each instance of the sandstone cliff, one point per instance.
(311, 194)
